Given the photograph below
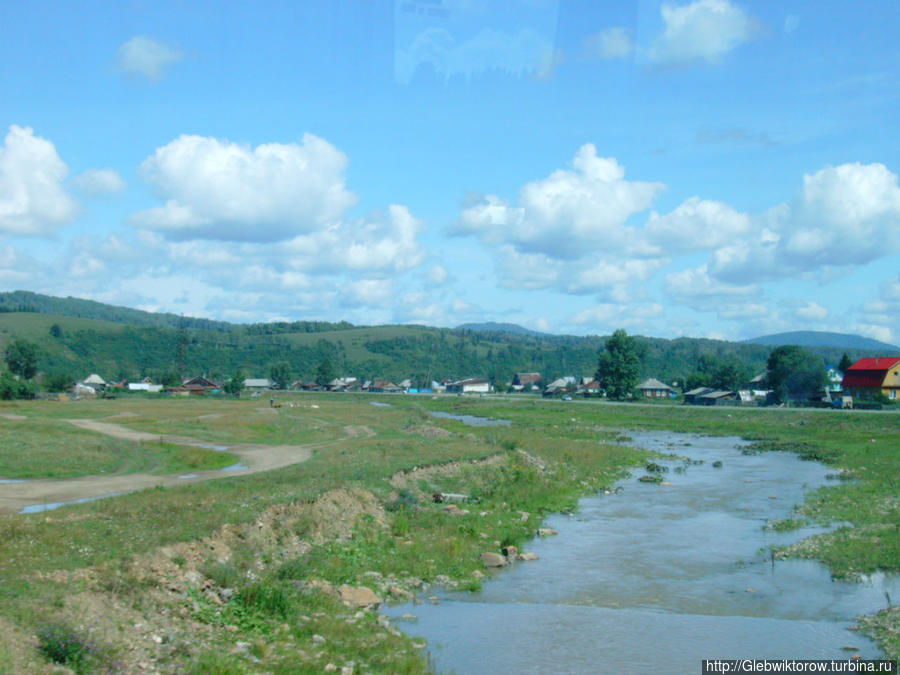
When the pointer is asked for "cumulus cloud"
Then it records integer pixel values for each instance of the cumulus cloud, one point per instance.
(99, 182)
(32, 198)
(216, 189)
(145, 56)
(842, 216)
(438, 274)
(697, 290)
(388, 244)
(608, 44)
(567, 213)
(705, 30)
(638, 315)
(811, 311)
(697, 224)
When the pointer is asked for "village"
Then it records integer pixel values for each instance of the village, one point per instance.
(864, 380)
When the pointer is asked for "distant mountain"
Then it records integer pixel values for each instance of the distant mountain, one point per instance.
(494, 327)
(812, 338)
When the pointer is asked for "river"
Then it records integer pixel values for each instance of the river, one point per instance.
(654, 578)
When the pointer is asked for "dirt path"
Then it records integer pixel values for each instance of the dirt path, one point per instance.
(252, 459)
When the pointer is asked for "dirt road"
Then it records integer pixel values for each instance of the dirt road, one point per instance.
(252, 459)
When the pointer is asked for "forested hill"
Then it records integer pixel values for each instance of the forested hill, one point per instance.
(78, 337)
(812, 338)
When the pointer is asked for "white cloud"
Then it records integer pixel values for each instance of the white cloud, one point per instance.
(697, 224)
(386, 244)
(696, 289)
(605, 315)
(566, 214)
(842, 216)
(611, 43)
(438, 274)
(812, 311)
(705, 30)
(99, 182)
(145, 56)
(847, 214)
(221, 190)
(32, 198)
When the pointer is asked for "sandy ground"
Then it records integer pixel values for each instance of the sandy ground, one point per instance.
(255, 458)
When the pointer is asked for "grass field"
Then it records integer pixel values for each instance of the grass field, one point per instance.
(358, 513)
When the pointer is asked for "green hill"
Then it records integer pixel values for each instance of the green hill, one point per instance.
(811, 338)
(122, 343)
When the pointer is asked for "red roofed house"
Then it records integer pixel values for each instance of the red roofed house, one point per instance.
(869, 376)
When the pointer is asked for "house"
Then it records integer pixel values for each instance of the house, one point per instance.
(590, 388)
(195, 386)
(343, 384)
(526, 381)
(653, 388)
(257, 383)
(94, 380)
(693, 396)
(384, 386)
(719, 397)
(471, 385)
(868, 377)
(560, 385)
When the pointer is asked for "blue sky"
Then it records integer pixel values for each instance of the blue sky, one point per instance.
(708, 168)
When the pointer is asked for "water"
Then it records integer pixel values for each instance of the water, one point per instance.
(379, 404)
(240, 466)
(655, 578)
(50, 506)
(472, 420)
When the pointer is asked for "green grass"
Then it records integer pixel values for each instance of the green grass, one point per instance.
(578, 447)
(49, 448)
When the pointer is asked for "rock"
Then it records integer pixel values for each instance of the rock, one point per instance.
(433, 600)
(213, 597)
(358, 596)
(491, 559)
(528, 556)
(523, 516)
(193, 577)
(330, 668)
(409, 617)
(347, 670)
(478, 574)
(511, 552)
(226, 594)
(318, 639)
(546, 532)
(667, 482)
(398, 592)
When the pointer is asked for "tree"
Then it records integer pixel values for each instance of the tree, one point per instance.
(281, 374)
(56, 331)
(21, 357)
(324, 372)
(236, 384)
(58, 381)
(620, 366)
(793, 373)
(730, 374)
(845, 363)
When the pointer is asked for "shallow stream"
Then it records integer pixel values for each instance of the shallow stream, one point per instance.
(654, 578)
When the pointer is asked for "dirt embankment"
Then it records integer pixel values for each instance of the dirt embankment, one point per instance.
(253, 458)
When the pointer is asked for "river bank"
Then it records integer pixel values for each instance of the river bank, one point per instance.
(246, 574)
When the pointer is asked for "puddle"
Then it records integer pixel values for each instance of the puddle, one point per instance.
(4, 481)
(654, 578)
(471, 420)
(40, 508)
(189, 475)
(379, 404)
(240, 466)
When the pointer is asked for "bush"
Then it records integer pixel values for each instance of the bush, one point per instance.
(61, 644)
